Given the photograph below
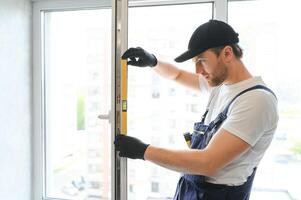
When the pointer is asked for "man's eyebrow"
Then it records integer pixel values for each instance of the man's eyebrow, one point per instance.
(196, 57)
(199, 58)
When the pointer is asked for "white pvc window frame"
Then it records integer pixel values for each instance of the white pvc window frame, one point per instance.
(220, 8)
(39, 154)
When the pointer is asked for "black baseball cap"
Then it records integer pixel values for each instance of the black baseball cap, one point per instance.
(209, 35)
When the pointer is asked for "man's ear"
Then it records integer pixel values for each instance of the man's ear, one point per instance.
(227, 54)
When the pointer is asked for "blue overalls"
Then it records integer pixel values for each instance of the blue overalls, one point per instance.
(194, 187)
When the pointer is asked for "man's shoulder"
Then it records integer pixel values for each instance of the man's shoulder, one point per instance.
(261, 93)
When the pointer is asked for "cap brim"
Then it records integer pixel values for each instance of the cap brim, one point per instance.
(188, 55)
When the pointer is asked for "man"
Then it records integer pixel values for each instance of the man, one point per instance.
(236, 129)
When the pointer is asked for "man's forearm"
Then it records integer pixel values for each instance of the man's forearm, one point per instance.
(185, 161)
(167, 70)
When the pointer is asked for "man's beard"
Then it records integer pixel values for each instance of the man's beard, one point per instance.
(219, 77)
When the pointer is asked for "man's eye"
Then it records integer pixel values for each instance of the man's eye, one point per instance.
(200, 61)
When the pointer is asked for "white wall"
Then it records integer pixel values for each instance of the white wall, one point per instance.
(15, 100)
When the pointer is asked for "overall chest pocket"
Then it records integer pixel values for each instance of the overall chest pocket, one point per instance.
(198, 141)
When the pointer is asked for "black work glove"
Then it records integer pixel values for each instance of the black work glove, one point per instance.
(130, 147)
(139, 57)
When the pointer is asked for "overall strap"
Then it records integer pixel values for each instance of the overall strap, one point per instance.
(223, 115)
(244, 91)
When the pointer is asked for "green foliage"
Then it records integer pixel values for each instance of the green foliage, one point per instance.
(296, 147)
(80, 111)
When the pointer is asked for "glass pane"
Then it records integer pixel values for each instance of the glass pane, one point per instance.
(78, 89)
(159, 110)
(271, 40)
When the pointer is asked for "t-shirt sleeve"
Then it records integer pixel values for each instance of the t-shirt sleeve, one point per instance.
(251, 115)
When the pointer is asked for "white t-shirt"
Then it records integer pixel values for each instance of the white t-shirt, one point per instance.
(253, 117)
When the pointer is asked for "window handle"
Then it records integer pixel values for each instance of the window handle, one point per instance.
(105, 116)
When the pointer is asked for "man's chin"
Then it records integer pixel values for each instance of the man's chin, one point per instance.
(212, 84)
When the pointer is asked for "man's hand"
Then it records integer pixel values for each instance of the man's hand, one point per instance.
(139, 57)
(130, 147)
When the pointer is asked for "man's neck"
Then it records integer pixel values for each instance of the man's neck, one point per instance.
(237, 72)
